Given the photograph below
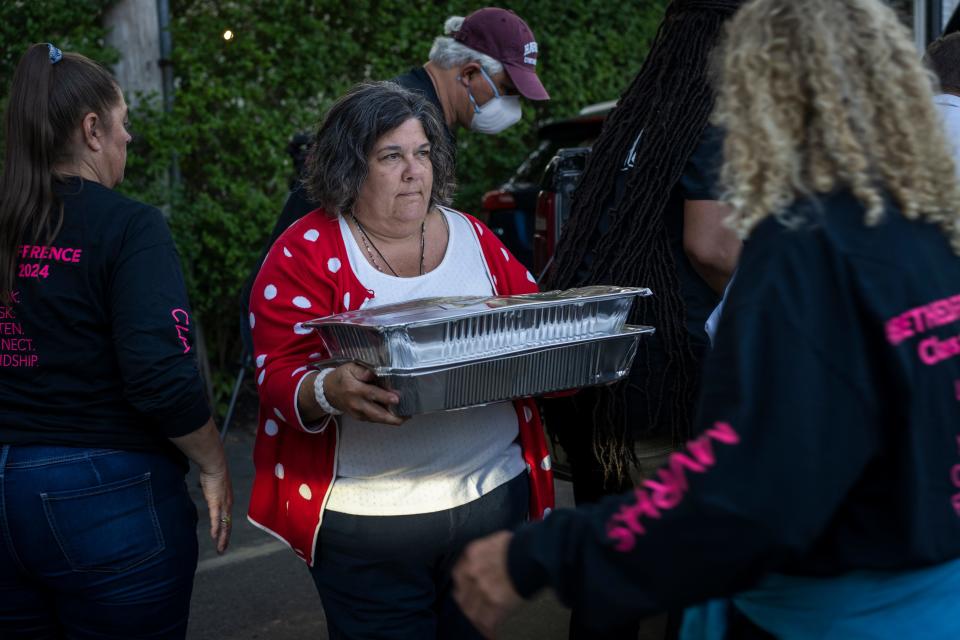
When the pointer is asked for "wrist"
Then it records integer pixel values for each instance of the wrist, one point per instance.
(320, 395)
(526, 576)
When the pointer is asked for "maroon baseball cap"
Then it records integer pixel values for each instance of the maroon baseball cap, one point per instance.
(505, 37)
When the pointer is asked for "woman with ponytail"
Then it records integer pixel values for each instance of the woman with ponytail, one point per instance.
(101, 405)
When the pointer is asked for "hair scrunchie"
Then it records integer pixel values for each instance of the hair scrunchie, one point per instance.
(55, 54)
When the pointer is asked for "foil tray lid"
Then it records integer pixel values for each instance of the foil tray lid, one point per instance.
(440, 310)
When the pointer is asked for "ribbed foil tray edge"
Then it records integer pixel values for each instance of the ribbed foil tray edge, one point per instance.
(572, 365)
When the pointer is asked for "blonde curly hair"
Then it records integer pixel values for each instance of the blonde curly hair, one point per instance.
(825, 94)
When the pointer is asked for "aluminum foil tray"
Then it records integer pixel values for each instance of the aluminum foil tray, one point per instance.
(535, 371)
(444, 331)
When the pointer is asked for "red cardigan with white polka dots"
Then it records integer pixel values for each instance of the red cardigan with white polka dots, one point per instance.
(307, 275)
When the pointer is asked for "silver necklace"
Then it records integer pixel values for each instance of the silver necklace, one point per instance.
(371, 247)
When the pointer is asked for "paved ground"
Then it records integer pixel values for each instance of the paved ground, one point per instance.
(260, 590)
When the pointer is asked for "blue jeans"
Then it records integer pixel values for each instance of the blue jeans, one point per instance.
(94, 543)
(388, 577)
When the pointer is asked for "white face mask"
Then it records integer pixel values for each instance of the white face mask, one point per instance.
(498, 113)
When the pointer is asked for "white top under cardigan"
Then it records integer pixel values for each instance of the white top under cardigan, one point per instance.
(433, 461)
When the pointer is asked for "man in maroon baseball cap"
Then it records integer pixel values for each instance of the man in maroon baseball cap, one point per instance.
(479, 70)
(505, 37)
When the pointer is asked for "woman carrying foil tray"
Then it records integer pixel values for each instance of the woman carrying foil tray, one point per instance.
(397, 499)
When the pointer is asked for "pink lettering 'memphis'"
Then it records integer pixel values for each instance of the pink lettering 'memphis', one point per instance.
(915, 322)
(182, 320)
(654, 497)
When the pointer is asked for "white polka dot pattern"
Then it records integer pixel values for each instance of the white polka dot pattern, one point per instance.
(346, 301)
(287, 253)
(333, 264)
(278, 471)
(301, 302)
(279, 415)
(546, 464)
(270, 428)
(253, 320)
(261, 376)
(260, 360)
(270, 292)
(311, 235)
(316, 356)
(531, 278)
(305, 492)
(547, 512)
(301, 330)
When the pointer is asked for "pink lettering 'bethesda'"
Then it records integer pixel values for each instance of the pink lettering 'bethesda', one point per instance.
(922, 319)
(667, 491)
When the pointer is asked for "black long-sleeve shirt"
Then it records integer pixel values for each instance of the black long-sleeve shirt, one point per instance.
(829, 430)
(97, 349)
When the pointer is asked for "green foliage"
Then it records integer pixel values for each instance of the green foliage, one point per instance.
(69, 24)
(238, 102)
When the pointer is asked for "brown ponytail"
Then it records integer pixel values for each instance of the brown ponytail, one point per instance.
(47, 104)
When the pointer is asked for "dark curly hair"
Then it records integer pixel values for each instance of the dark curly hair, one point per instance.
(670, 101)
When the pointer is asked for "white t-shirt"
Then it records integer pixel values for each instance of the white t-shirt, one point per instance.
(949, 107)
(433, 461)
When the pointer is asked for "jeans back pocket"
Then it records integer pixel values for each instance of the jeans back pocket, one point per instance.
(110, 527)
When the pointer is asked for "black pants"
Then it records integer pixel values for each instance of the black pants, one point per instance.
(389, 576)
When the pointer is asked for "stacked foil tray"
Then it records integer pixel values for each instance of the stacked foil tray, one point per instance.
(441, 354)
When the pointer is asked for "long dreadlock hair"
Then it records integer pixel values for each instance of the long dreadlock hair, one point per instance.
(668, 105)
